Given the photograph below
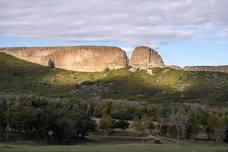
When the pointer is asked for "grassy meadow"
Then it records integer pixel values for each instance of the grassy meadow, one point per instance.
(182, 147)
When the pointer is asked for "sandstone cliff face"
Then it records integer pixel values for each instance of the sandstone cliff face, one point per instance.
(77, 58)
(144, 57)
(207, 68)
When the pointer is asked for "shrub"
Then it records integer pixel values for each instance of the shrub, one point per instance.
(106, 69)
(121, 124)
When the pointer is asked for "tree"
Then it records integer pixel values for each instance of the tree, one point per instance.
(140, 125)
(151, 127)
(107, 107)
(225, 138)
(51, 63)
(216, 125)
(4, 117)
(106, 123)
(164, 129)
(140, 110)
(29, 114)
(178, 117)
(193, 124)
(121, 124)
(38, 117)
(106, 69)
(3, 112)
(69, 121)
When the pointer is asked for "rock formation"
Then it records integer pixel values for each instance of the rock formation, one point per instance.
(207, 68)
(77, 58)
(98, 58)
(144, 57)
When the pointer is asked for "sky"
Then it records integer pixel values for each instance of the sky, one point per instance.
(184, 32)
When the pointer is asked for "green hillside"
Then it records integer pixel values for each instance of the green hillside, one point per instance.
(165, 85)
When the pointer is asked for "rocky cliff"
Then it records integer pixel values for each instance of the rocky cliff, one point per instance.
(77, 58)
(144, 57)
(207, 68)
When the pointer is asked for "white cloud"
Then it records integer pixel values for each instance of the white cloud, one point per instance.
(132, 22)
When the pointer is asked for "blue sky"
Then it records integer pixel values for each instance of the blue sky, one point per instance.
(185, 32)
(207, 51)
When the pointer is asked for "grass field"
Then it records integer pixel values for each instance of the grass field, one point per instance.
(184, 147)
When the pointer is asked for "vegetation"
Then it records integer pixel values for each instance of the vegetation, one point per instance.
(39, 118)
(67, 121)
(166, 85)
(106, 123)
(49, 104)
(51, 63)
(185, 147)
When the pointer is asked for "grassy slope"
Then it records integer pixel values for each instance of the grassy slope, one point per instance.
(167, 85)
(186, 147)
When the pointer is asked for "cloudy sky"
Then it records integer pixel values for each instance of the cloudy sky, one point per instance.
(185, 32)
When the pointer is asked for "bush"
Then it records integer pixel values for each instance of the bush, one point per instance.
(121, 124)
(106, 69)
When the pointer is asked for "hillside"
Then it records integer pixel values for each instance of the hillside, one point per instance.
(165, 85)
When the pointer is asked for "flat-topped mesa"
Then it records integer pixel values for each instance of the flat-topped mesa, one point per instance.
(76, 58)
(144, 57)
(223, 68)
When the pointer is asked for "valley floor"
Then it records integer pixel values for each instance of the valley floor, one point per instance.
(181, 147)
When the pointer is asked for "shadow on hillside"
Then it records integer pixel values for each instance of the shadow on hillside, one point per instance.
(21, 77)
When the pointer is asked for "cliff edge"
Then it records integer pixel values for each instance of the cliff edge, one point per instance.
(223, 68)
(76, 58)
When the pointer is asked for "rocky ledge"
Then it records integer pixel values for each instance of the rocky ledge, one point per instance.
(223, 68)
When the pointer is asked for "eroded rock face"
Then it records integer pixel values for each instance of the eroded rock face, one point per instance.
(207, 68)
(76, 58)
(144, 57)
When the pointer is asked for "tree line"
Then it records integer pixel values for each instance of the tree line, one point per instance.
(173, 120)
(42, 118)
(71, 120)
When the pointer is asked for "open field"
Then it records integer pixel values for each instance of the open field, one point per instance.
(183, 147)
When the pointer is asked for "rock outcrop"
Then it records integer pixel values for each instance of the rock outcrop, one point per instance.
(76, 58)
(98, 58)
(144, 57)
(207, 68)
